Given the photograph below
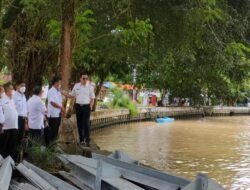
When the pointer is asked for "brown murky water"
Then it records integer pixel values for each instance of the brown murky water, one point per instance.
(219, 147)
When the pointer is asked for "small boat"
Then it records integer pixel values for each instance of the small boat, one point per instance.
(164, 120)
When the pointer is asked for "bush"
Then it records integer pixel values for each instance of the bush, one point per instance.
(122, 101)
(40, 155)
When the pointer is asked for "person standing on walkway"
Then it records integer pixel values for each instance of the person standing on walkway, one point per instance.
(36, 114)
(85, 96)
(55, 107)
(21, 107)
(10, 127)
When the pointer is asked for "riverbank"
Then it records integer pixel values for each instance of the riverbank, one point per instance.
(104, 118)
(68, 138)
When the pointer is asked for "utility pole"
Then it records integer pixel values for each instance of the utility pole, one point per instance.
(134, 83)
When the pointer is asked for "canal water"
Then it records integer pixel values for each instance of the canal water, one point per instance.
(217, 146)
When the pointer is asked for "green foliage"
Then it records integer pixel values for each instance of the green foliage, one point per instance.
(54, 29)
(188, 47)
(33, 5)
(122, 101)
(202, 48)
(12, 11)
(136, 33)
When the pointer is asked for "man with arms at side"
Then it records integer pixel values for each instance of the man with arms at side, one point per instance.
(36, 114)
(10, 127)
(85, 96)
(21, 107)
(55, 107)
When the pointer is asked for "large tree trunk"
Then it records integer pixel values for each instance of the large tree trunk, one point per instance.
(68, 7)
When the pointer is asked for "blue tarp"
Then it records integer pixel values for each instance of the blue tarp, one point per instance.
(108, 85)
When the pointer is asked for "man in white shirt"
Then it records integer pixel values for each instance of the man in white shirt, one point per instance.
(55, 107)
(9, 136)
(21, 107)
(36, 114)
(85, 96)
(2, 118)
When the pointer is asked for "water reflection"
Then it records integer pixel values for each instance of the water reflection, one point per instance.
(217, 146)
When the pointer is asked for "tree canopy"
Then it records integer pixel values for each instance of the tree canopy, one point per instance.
(189, 47)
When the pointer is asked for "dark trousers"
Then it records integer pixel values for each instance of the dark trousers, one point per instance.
(8, 143)
(54, 124)
(36, 134)
(47, 135)
(21, 129)
(83, 121)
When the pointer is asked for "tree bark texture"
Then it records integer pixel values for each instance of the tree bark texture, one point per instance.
(68, 7)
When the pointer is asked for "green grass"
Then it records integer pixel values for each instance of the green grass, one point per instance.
(42, 156)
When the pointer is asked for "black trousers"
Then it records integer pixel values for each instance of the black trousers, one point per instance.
(83, 121)
(36, 134)
(47, 135)
(21, 129)
(54, 124)
(8, 143)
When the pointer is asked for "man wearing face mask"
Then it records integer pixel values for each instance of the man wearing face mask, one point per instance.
(55, 107)
(21, 107)
(9, 136)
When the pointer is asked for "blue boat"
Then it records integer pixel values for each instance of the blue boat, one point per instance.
(164, 120)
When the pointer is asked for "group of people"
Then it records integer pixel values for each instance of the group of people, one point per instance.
(19, 115)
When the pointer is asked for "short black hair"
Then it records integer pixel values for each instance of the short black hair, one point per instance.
(37, 90)
(7, 86)
(19, 82)
(55, 79)
(83, 73)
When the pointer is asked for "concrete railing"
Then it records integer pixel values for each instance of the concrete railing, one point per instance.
(225, 111)
(111, 117)
(104, 118)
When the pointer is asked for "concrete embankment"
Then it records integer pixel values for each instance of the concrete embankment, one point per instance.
(105, 118)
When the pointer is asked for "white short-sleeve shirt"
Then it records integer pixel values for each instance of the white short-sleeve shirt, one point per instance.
(36, 112)
(54, 95)
(10, 113)
(2, 118)
(21, 103)
(83, 93)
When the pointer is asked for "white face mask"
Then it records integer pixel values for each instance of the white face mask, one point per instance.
(23, 89)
